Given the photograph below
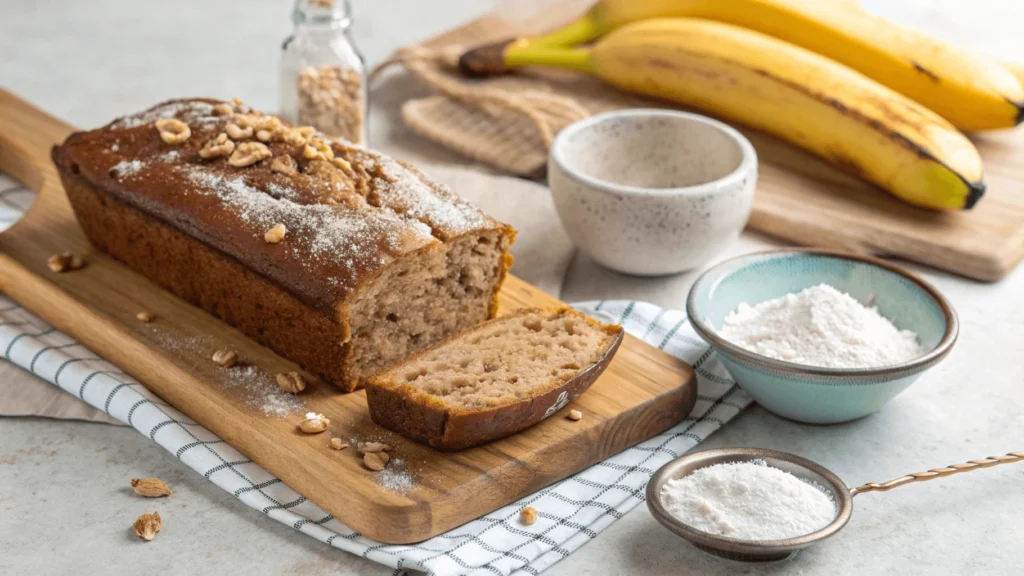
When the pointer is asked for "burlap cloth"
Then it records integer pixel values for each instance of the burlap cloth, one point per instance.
(507, 122)
(542, 253)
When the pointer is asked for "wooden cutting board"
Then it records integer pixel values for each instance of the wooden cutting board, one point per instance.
(799, 197)
(644, 391)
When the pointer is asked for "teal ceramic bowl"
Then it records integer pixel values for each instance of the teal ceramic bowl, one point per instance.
(813, 394)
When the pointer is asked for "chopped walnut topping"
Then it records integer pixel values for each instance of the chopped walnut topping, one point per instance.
(275, 234)
(150, 487)
(223, 110)
(148, 526)
(263, 135)
(528, 516)
(225, 358)
(266, 122)
(317, 149)
(144, 316)
(249, 153)
(337, 444)
(575, 415)
(237, 132)
(345, 166)
(314, 423)
(238, 102)
(172, 130)
(294, 137)
(65, 262)
(217, 147)
(292, 382)
(284, 164)
(374, 461)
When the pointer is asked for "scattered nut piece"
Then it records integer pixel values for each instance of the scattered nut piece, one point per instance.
(144, 317)
(64, 262)
(172, 130)
(373, 461)
(528, 516)
(372, 447)
(223, 110)
(575, 415)
(275, 234)
(225, 358)
(249, 153)
(217, 147)
(383, 457)
(148, 526)
(263, 135)
(150, 487)
(337, 444)
(237, 132)
(284, 164)
(292, 382)
(237, 102)
(314, 423)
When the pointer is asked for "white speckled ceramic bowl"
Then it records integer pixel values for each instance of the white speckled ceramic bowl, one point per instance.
(652, 192)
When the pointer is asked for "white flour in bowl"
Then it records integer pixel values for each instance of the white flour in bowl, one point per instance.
(820, 326)
(748, 501)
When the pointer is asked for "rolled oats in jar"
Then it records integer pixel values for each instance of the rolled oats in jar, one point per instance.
(323, 81)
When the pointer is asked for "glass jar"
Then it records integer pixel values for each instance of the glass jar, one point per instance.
(323, 79)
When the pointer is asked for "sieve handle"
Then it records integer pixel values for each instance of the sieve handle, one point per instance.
(939, 473)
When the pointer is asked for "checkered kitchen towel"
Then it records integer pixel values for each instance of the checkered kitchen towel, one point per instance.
(572, 512)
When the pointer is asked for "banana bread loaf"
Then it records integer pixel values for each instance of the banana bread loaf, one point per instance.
(493, 380)
(340, 259)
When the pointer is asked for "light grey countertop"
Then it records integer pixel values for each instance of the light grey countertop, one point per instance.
(61, 482)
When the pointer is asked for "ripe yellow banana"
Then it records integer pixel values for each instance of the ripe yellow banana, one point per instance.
(1017, 69)
(972, 92)
(792, 93)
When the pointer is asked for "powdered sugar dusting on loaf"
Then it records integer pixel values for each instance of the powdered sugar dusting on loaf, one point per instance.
(820, 326)
(347, 236)
(443, 209)
(126, 168)
(188, 111)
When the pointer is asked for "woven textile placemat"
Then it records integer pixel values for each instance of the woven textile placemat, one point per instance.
(508, 121)
(571, 512)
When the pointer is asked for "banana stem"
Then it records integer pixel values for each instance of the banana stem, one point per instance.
(583, 30)
(528, 54)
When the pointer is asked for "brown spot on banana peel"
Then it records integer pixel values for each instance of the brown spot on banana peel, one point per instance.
(926, 71)
(975, 190)
(486, 61)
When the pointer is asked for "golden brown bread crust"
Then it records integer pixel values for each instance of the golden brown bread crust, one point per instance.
(196, 225)
(406, 409)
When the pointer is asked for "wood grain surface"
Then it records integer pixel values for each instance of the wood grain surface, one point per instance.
(644, 391)
(799, 197)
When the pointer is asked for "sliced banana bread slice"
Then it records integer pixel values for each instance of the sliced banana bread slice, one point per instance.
(493, 380)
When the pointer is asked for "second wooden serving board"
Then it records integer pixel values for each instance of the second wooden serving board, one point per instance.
(799, 197)
(644, 391)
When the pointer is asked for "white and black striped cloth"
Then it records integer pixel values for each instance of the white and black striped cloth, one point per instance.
(571, 512)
